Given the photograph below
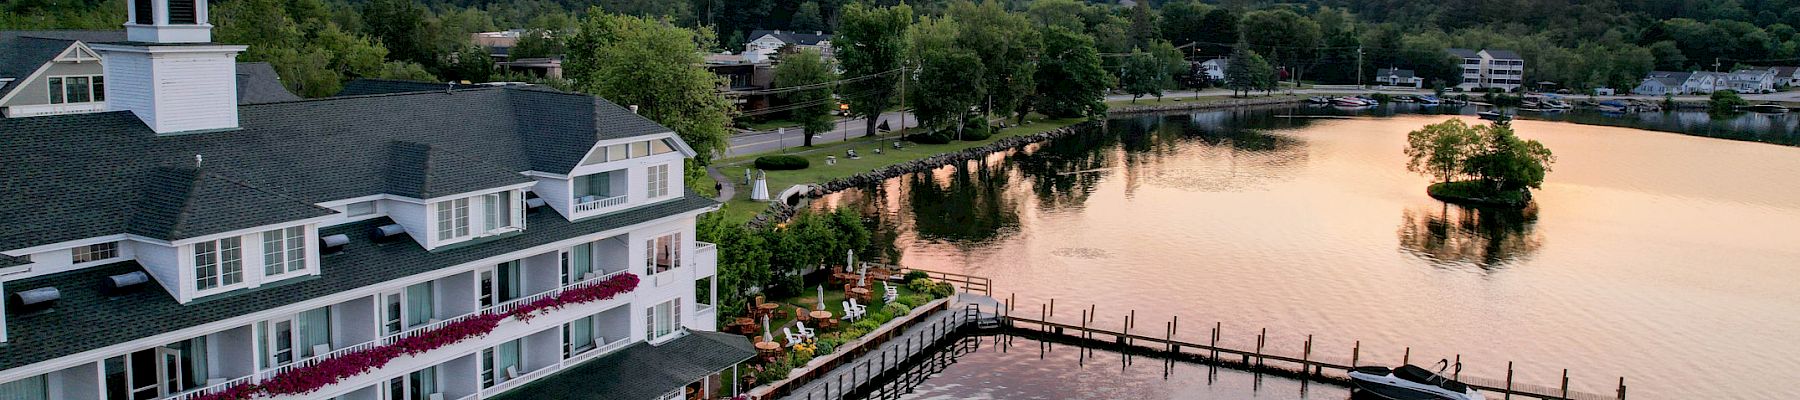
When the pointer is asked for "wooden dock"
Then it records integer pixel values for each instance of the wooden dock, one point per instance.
(1309, 365)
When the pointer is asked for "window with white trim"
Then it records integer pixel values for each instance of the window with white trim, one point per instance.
(658, 176)
(95, 252)
(453, 219)
(500, 211)
(218, 263)
(77, 89)
(662, 253)
(662, 320)
(284, 250)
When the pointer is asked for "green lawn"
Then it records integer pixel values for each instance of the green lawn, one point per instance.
(741, 208)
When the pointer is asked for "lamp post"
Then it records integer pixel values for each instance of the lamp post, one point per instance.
(844, 109)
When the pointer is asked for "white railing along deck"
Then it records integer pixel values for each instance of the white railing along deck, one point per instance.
(501, 308)
(600, 203)
(215, 388)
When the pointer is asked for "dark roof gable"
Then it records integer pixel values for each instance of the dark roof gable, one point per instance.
(64, 172)
(794, 38)
(23, 52)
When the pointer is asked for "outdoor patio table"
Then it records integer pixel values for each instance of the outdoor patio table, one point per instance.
(768, 348)
(820, 316)
(860, 293)
(768, 309)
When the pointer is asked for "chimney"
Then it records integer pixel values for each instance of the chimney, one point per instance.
(634, 109)
(169, 72)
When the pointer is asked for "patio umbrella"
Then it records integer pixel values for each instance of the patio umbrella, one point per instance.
(851, 259)
(821, 305)
(766, 336)
(862, 279)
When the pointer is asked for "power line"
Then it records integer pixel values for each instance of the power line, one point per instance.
(815, 86)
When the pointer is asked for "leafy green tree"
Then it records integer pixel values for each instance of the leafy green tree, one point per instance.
(400, 25)
(1007, 44)
(1725, 102)
(947, 84)
(813, 106)
(743, 259)
(1441, 150)
(1504, 163)
(1184, 22)
(1143, 26)
(1143, 76)
(871, 44)
(406, 71)
(1063, 13)
(1220, 26)
(537, 42)
(807, 18)
(312, 55)
(1247, 71)
(470, 63)
(655, 65)
(1172, 62)
(1289, 39)
(1070, 80)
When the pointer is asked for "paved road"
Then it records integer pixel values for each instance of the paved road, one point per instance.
(767, 141)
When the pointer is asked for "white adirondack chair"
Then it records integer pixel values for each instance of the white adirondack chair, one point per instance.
(792, 339)
(891, 294)
(805, 332)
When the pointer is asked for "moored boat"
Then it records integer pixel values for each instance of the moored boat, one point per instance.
(1770, 108)
(1349, 102)
(1410, 382)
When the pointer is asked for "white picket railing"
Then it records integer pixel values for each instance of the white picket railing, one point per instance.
(600, 203)
(215, 388)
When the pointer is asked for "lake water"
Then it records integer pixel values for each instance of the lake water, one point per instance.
(1027, 370)
(1671, 260)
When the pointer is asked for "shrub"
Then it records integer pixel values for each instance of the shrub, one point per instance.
(976, 128)
(942, 290)
(828, 344)
(928, 138)
(866, 324)
(896, 309)
(914, 300)
(916, 275)
(920, 285)
(781, 163)
(852, 332)
(973, 135)
(774, 370)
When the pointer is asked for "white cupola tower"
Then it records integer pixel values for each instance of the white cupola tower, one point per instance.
(169, 72)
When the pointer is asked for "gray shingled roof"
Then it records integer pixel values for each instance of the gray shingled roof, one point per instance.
(23, 52)
(641, 371)
(183, 202)
(368, 86)
(257, 83)
(1504, 54)
(1402, 73)
(149, 310)
(75, 176)
(794, 38)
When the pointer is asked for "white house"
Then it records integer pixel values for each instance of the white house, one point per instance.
(438, 245)
(1787, 76)
(1215, 68)
(1398, 77)
(1661, 83)
(768, 42)
(1703, 82)
(1753, 80)
(1490, 69)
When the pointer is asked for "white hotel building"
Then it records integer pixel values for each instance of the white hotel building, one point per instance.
(177, 244)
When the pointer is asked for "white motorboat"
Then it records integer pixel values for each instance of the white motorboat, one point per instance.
(1410, 382)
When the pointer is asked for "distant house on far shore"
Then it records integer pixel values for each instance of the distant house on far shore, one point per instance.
(1787, 76)
(1215, 68)
(1490, 69)
(772, 41)
(1398, 77)
(1662, 83)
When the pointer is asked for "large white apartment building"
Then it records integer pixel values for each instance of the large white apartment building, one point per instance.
(504, 242)
(1490, 69)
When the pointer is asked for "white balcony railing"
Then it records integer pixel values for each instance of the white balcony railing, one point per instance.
(210, 389)
(595, 204)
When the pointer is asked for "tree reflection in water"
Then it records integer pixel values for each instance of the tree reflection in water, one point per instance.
(1451, 235)
(971, 208)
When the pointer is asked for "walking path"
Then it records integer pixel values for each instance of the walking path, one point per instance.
(727, 188)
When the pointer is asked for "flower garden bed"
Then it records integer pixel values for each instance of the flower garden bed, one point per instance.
(325, 372)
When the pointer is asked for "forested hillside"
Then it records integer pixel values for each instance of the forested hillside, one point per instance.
(317, 43)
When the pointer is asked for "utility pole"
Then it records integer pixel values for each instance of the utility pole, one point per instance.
(902, 103)
(1715, 64)
(1359, 73)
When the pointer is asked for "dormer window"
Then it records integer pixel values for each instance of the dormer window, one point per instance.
(77, 89)
(218, 263)
(95, 252)
(658, 181)
(284, 251)
(497, 211)
(453, 219)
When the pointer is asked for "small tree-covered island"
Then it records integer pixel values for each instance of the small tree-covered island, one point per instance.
(1482, 165)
